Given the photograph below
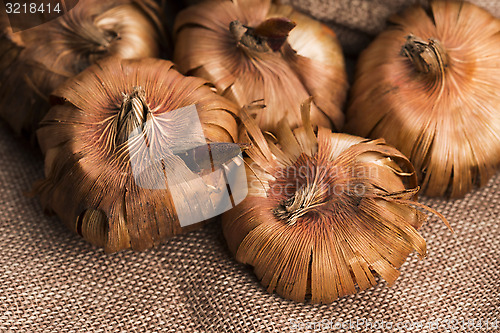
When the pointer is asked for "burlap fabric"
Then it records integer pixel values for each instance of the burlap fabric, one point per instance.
(53, 281)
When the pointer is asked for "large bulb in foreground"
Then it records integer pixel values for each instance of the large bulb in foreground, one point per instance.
(325, 213)
(114, 135)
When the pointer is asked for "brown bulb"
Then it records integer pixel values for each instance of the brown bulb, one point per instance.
(36, 61)
(257, 51)
(429, 85)
(325, 213)
(114, 135)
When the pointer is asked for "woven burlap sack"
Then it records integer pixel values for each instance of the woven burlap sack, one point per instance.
(51, 280)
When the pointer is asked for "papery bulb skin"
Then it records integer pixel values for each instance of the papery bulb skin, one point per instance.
(257, 51)
(326, 213)
(34, 62)
(115, 133)
(429, 85)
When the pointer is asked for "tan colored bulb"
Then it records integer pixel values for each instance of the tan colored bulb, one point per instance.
(325, 212)
(107, 183)
(36, 61)
(429, 85)
(254, 50)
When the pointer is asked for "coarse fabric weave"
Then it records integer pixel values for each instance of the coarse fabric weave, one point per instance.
(53, 281)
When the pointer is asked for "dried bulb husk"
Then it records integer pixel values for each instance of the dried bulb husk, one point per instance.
(36, 61)
(429, 85)
(90, 182)
(325, 212)
(247, 50)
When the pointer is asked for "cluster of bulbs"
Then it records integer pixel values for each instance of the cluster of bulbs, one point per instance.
(425, 103)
